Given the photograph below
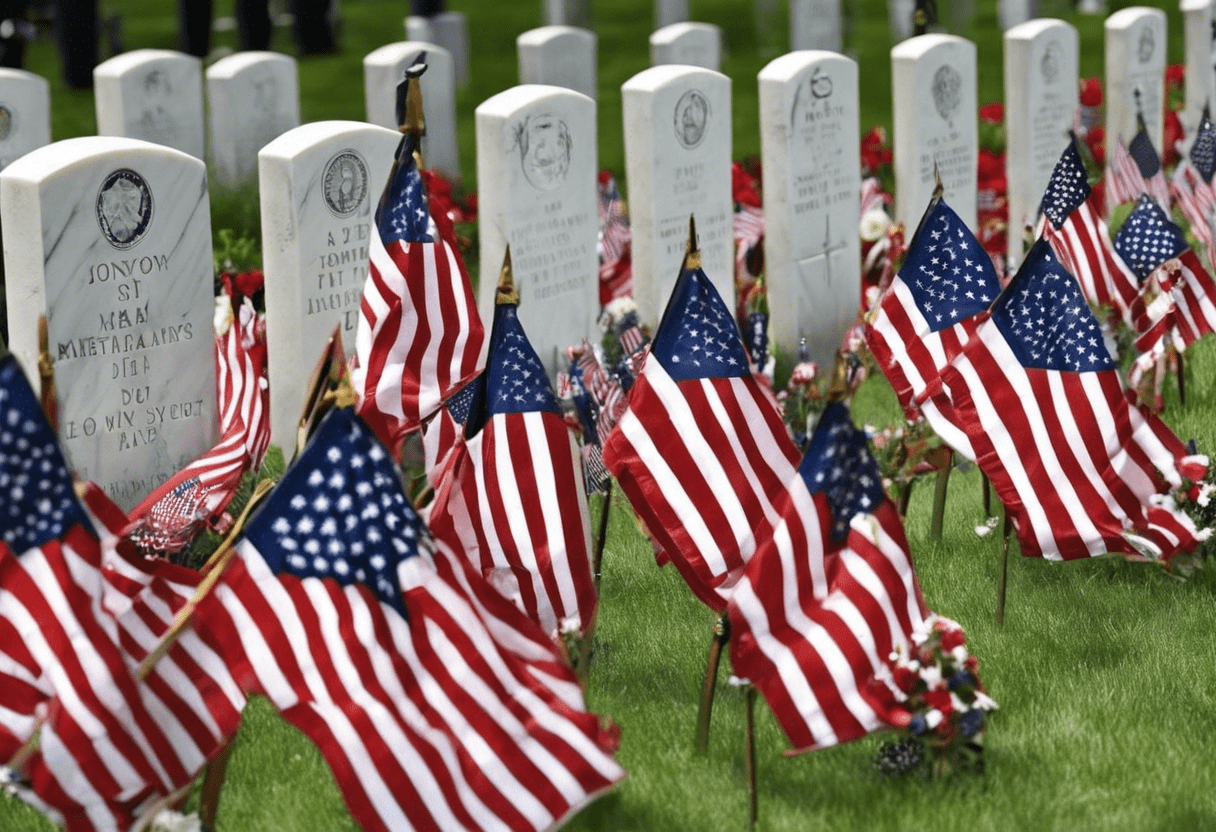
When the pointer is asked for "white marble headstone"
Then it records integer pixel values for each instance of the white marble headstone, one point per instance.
(536, 185)
(811, 169)
(933, 92)
(1041, 103)
(559, 56)
(899, 19)
(383, 70)
(25, 114)
(566, 12)
(320, 184)
(1012, 13)
(253, 98)
(677, 163)
(1197, 17)
(152, 94)
(449, 30)
(689, 44)
(815, 24)
(110, 238)
(667, 12)
(1135, 64)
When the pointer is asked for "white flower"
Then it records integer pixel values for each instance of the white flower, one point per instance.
(615, 310)
(874, 224)
(933, 718)
(932, 676)
(223, 314)
(983, 701)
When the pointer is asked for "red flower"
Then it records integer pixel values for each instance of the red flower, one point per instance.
(874, 153)
(940, 699)
(952, 639)
(1175, 75)
(971, 664)
(1091, 92)
(906, 679)
(993, 113)
(1171, 135)
(605, 177)
(743, 186)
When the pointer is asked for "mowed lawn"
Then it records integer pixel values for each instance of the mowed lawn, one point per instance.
(1103, 669)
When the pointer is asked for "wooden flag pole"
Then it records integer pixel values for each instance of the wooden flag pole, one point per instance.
(721, 632)
(945, 463)
(46, 377)
(213, 782)
(987, 495)
(749, 757)
(1002, 580)
(1180, 369)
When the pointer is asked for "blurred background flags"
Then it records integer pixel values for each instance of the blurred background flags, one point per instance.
(1073, 225)
(1191, 185)
(701, 451)
(1080, 470)
(826, 599)
(1136, 169)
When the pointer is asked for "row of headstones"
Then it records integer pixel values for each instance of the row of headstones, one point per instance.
(123, 271)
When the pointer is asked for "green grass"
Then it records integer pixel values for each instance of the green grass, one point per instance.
(1103, 669)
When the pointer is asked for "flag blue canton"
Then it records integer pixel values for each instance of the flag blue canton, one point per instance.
(404, 217)
(1144, 154)
(946, 270)
(1067, 188)
(838, 464)
(515, 379)
(1148, 238)
(698, 337)
(1203, 149)
(460, 402)
(1046, 320)
(340, 513)
(39, 502)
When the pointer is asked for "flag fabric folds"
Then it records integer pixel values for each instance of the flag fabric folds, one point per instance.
(511, 496)
(1080, 470)
(615, 243)
(1073, 225)
(419, 336)
(1136, 169)
(701, 452)
(171, 517)
(1191, 185)
(828, 597)
(435, 703)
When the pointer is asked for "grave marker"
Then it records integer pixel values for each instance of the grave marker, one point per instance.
(899, 19)
(677, 163)
(566, 12)
(383, 70)
(1135, 74)
(560, 56)
(25, 114)
(933, 92)
(667, 12)
(809, 148)
(689, 44)
(1200, 62)
(815, 24)
(152, 94)
(1041, 104)
(253, 98)
(536, 184)
(320, 184)
(1012, 13)
(110, 238)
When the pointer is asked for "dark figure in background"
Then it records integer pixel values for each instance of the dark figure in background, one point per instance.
(76, 31)
(12, 32)
(312, 32)
(427, 8)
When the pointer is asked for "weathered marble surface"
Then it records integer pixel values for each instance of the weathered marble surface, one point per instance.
(690, 44)
(25, 114)
(560, 56)
(253, 98)
(152, 94)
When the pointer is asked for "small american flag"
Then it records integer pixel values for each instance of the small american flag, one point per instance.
(1135, 170)
(749, 233)
(1080, 469)
(616, 269)
(436, 704)
(828, 596)
(1074, 227)
(701, 451)
(512, 500)
(419, 337)
(1191, 185)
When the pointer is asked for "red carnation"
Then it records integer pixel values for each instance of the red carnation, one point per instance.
(1172, 135)
(1175, 75)
(743, 186)
(952, 639)
(993, 113)
(1091, 92)
(605, 177)
(940, 699)
(906, 679)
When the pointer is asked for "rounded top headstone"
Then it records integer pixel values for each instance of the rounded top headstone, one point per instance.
(1031, 29)
(545, 35)
(234, 65)
(921, 45)
(82, 151)
(394, 53)
(1131, 15)
(127, 61)
(678, 30)
(657, 77)
(789, 65)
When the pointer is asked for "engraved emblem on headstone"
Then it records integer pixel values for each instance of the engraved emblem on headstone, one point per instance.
(821, 83)
(1049, 66)
(544, 146)
(8, 121)
(691, 116)
(947, 90)
(124, 208)
(155, 122)
(1147, 44)
(265, 90)
(345, 183)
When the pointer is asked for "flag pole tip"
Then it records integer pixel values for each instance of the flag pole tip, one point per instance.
(410, 117)
(692, 254)
(938, 188)
(507, 294)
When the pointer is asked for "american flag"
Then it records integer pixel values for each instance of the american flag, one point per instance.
(701, 452)
(1191, 185)
(441, 432)
(828, 596)
(419, 337)
(1080, 469)
(936, 301)
(435, 704)
(108, 742)
(1073, 225)
(749, 233)
(512, 499)
(171, 517)
(615, 242)
(1134, 170)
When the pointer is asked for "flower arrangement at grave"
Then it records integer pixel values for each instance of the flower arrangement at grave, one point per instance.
(944, 705)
